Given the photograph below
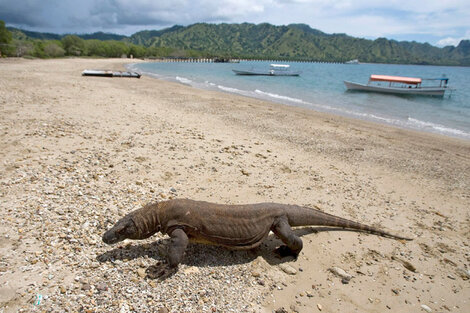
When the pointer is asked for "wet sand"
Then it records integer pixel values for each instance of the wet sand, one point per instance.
(77, 153)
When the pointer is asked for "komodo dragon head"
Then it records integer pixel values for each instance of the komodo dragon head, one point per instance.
(124, 229)
(135, 225)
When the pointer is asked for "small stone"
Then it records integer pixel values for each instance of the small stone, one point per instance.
(319, 306)
(405, 263)
(246, 173)
(395, 291)
(465, 275)
(86, 286)
(255, 274)
(191, 270)
(281, 310)
(101, 287)
(63, 289)
(294, 308)
(341, 273)
(288, 269)
(163, 310)
(141, 272)
(309, 294)
(426, 308)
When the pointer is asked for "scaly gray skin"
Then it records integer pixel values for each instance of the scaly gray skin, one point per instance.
(231, 226)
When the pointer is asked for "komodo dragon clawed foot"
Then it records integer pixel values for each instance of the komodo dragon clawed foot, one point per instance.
(284, 251)
(178, 243)
(160, 271)
(231, 226)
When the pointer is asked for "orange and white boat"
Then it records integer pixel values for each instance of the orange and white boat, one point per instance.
(402, 85)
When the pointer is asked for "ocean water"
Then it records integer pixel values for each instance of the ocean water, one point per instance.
(320, 87)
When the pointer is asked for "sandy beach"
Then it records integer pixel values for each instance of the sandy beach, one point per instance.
(77, 153)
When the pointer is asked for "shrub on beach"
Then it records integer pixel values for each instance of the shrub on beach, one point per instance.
(5, 39)
(74, 45)
(54, 50)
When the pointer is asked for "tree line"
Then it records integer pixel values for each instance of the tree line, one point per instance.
(18, 44)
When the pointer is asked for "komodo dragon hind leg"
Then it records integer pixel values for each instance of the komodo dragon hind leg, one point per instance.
(293, 244)
(178, 243)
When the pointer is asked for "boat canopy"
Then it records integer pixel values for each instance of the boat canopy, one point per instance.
(396, 79)
(280, 65)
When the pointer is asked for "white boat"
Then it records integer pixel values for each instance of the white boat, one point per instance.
(402, 85)
(107, 73)
(355, 61)
(274, 70)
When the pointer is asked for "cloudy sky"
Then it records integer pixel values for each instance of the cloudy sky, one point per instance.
(439, 22)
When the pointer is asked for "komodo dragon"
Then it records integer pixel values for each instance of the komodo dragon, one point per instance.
(231, 226)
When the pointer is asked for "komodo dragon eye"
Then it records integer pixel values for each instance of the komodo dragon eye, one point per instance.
(129, 230)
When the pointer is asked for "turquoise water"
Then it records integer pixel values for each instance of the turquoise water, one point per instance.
(320, 87)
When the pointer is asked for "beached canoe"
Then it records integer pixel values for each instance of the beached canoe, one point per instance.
(107, 73)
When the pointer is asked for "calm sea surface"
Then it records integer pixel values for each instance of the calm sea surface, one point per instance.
(320, 87)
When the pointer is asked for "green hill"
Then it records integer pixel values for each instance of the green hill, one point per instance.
(50, 36)
(266, 41)
(298, 42)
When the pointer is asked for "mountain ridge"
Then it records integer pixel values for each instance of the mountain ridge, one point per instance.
(288, 42)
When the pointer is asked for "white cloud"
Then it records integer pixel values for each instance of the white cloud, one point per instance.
(452, 41)
(449, 41)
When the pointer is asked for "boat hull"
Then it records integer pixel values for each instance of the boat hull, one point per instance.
(421, 91)
(267, 73)
(106, 73)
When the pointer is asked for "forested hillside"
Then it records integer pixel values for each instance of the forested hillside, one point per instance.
(262, 41)
(298, 42)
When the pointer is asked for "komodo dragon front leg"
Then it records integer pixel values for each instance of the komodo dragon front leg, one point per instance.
(293, 243)
(178, 243)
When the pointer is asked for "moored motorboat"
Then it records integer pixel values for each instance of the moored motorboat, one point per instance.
(274, 70)
(402, 85)
(355, 61)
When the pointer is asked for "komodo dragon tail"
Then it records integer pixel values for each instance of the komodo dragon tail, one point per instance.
(304, 216)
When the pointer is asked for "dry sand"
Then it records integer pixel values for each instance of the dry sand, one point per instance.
(79, 152)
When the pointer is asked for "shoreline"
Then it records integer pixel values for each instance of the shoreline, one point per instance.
(413, 124)
(78, 153)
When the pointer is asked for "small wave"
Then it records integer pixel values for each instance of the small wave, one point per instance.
(441, 128)
(150, 74)
(208, 83)
(229, 89)
(183, 80)
(280, 97)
